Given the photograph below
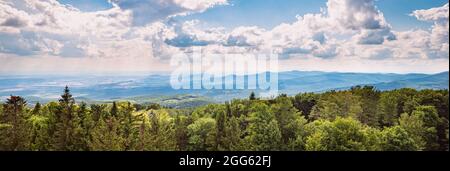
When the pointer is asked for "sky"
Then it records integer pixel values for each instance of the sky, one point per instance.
(131, 36)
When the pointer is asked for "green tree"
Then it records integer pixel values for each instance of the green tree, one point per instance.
(440, 100)
(106, 136)
(67, 136)
(14, 133)
(287, 117)
(233, 133)
(397, 139)
(252, 96)
(162, 131)
(129, 125)
(413, 125)
(39, 138)
(305, 102)
(337, 104)
(431, 121)
(114, 110)
(388, 109)
(221, 123)
(87, 125)
(263, 130)
(342, 134)
(37, 109)
(202, 134)
(181, 132)
(99, 111)
(369, 97)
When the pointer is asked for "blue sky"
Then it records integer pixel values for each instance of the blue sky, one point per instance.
(270, 13)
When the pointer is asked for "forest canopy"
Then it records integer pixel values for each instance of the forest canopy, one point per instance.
(359, 119)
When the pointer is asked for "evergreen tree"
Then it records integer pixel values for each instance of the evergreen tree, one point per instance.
(233, 133)
(162, 131)
(87, 125)
(98, 111)
(221, 123)
(37, 109)
(369, 100)
(337, 104)
(129, 125)
(68, 131)
(114, 110)
(181, 133)
(305, 102)
(252, 96)
(14, 133)
(106, 136)
(387, 109)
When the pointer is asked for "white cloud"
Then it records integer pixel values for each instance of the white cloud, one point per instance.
(46, 36)
(147, 11)
(356, 14)
(438, 40)
(311, 34)
(433, 14)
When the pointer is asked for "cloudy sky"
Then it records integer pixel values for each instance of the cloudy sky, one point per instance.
(132, 36)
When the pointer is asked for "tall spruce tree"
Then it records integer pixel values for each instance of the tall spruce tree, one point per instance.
(68, 131)
(14, 133)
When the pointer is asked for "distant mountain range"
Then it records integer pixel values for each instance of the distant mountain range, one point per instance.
(157, 89)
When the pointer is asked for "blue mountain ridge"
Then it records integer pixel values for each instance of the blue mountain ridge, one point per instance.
(152, 88)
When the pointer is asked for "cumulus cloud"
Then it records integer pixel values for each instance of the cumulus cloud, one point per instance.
(356, 14)
(311, 34)
(188, 34)
(439, 37)
(137, 35)
(433, 14)
(346, 29)
(147, 11)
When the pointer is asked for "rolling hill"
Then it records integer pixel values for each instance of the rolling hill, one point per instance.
(157, 88)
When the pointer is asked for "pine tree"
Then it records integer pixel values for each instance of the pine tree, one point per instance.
(106, 136)
(129, 126)
(13, 126)
(37, 109)
(162, 131)
(181, 133)
(221, 119)
(114, 110)
(87, 124)
(68, 131)
(337, 104)
(305, 102)
(252, 96)
(369, 99)
(233, 133)
(98, 111)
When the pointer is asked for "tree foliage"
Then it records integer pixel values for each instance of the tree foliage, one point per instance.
(358, 119)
